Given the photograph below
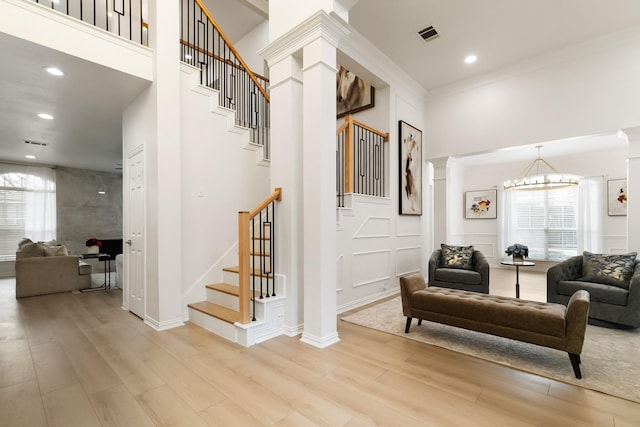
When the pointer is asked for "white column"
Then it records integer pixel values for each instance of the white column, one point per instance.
(440, 225)
(303, 123)
(163, 220)
(633, 187)
(319, 162)
(286, 171)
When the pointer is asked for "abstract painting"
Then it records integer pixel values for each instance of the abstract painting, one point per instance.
(480, 204)
(353, 94)
(617, 197)
(410, 151)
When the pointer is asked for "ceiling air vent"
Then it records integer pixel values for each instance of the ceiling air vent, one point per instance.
(42, 144)
(428, 33)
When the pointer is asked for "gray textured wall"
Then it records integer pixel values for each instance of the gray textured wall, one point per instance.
(82, 212)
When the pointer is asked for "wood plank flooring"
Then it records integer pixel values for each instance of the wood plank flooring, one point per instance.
(79, 360)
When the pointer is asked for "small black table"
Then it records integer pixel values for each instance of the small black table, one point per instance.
(107, 270)
(517, 265)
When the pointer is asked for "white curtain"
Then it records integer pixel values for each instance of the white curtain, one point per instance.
(506, 222)
(591, 205)
(35, 189)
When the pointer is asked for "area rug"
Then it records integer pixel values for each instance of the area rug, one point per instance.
(610, 357)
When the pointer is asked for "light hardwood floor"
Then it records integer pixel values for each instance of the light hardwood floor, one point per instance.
(79, 360)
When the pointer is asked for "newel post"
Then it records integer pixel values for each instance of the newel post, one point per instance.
(243, 266)
(348, 155)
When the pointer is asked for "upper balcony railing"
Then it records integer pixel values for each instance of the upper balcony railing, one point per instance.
(205, 45)
(361, 164)
(126, 18)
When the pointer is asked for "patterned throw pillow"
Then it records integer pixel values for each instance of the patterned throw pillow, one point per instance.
(457, 256)
(613, 270)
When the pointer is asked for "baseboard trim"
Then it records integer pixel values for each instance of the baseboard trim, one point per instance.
(320, 342)
(164, 325)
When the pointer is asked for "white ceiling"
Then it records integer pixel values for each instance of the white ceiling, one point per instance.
(88, 101)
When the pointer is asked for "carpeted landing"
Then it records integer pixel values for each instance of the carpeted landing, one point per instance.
(610, 357)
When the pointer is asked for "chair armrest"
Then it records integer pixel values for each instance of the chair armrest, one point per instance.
(434, 262)
(481, 265)
(569, 269)
(633, 300)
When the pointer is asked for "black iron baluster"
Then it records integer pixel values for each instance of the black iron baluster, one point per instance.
(253, 267)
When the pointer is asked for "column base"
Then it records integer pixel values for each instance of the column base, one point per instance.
(320, 342)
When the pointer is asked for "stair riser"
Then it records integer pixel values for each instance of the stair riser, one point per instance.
(223, 299)
(213, 324)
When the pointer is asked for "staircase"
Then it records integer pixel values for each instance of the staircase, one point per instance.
(247, 307)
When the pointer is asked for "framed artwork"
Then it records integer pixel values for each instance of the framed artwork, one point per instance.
(410, 140)
(480, 204)
(617, 197)
(353, 94)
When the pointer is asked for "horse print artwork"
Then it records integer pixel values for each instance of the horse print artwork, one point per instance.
(352, 93)
(410, 169)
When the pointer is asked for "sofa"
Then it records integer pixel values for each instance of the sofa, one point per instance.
(43, 268)
(459, 267)
(544, 324)
(612, 280)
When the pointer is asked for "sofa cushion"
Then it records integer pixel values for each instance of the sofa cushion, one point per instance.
(32, 250)
(23, 242)
(56, 251)
(613, 270)
(456, 275)
(599, 292)
(457, 256)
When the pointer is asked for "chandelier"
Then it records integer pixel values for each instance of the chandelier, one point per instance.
(540, 175)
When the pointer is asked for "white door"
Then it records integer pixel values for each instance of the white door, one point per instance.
(134, 248)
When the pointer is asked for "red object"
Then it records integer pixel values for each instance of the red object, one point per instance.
(93, 242)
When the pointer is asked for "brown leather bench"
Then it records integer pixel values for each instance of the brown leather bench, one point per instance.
(545, 324)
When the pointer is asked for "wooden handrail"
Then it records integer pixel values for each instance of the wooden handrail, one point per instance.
(276, 195)
(233, 50)
(244, 245)
(219, 58)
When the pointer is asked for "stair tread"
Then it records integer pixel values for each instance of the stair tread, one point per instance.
(217, 311)
(227, 288)
(255, 271)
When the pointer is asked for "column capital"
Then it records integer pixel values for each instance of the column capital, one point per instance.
(328, 26)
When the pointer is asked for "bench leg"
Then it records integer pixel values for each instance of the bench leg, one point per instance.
(419, 322)
(406, 328)
(575, 363)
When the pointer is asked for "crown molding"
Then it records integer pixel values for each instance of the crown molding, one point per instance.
(321, 24)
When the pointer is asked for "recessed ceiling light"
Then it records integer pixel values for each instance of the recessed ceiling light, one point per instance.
(30, 156)
(45, 116)
(54, 71)
(102, 192)
(470, 59)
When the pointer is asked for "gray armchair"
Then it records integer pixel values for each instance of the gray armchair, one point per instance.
(476, 279)
(610, 305)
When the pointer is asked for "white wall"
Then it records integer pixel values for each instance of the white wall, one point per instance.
(376, 245)
(219, 179)
(582, 90)
(250, 44)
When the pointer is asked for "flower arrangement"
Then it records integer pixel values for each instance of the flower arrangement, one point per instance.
(518, 249)
(93, 242)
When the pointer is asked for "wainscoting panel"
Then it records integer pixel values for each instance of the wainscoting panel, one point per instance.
(370, 267)
(407, 260)
(373, 227)
(407, 226)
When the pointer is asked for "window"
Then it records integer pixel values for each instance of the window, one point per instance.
(545, 220)
(27, 206)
